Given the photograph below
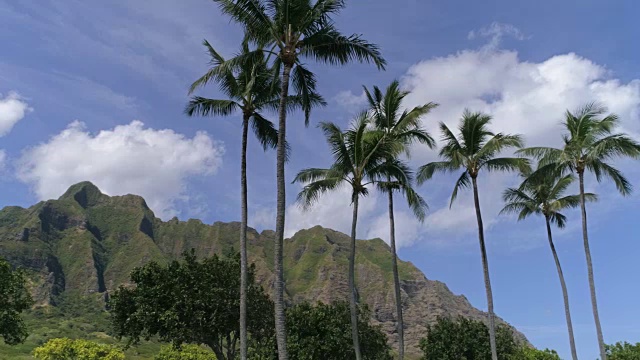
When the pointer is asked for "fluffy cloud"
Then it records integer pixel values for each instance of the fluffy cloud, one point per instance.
(523, 97)
(12, 109)
(127, 159)
(332, 210)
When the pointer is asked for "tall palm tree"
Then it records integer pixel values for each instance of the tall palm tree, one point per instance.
(361, 158)
(544, 196)
(248, 90)
(474, 149)
(292, 30)
(402, 128)
(589, 144)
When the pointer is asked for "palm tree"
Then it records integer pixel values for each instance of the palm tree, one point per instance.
(361, 158)
(248, 89)
(402, 127)
(291, 30)
(545, 196)
(475, 149)
(589, 144)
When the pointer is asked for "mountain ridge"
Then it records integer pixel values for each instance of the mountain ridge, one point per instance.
(86, 242)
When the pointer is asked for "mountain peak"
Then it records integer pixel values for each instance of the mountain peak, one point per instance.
(85, 193)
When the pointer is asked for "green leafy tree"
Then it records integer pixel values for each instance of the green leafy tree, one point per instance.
(403, 128)
(623, 351)
(68, 349)
(185, 352)
(322, 331)
(249, 89)
(190, 301)
(14, 299)
(361, 158)
(590, 143)
(527, 353)
(292, 30)
(466, 339)
(545, 196)
(475, 149)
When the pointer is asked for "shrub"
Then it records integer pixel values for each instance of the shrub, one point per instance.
(67, 349)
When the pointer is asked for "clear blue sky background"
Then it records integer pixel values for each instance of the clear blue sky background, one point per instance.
(75, 74)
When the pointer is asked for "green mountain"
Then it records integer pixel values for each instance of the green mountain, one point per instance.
(83, 245)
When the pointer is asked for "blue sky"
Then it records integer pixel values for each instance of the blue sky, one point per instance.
(96, 92)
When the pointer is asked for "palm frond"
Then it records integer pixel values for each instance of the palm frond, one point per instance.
(617, 145)
(425, 172)
(336, 140)
(304, 83)
(328, 45)
(251, 14)
(312, 192)
(600, 169)
(462, 182)
(265, 131)
(204, 107)
(507, 164)
(416, 203)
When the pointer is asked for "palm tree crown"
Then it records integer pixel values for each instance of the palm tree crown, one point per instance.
(401, 128)
(590, 142)
(360, 159)
(248, 88)
(543, 196)
(291, 29)
(474, 149)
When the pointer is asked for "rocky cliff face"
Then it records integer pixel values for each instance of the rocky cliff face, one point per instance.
(86, 242)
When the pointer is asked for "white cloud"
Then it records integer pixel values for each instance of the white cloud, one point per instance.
(496, 32)
(127, 159)
(350, 101)
(12, 109)
(333, 210)
(523, 97)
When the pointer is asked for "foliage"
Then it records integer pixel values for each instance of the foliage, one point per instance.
(185, 352)
(623, 351)
(322, 331)
(543, 195)
(360, 158)
(589, 145)
(527, 353)
(401, 128)
(465, 339)
(14, 299)
(248, 89)
(67, 349)
(473, 149)
(190, 301)
(293, 30)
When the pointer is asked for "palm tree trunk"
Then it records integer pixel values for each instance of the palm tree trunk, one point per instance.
(485, 267)
(352, 282)
(281, 331)
(565, 295)
(243, 241)
(592, 285)
(396, 278)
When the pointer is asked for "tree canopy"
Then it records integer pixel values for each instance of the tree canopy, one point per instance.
(14, 299)
(68, 349)
(190, 301)
(466, 339)
(323, 331)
